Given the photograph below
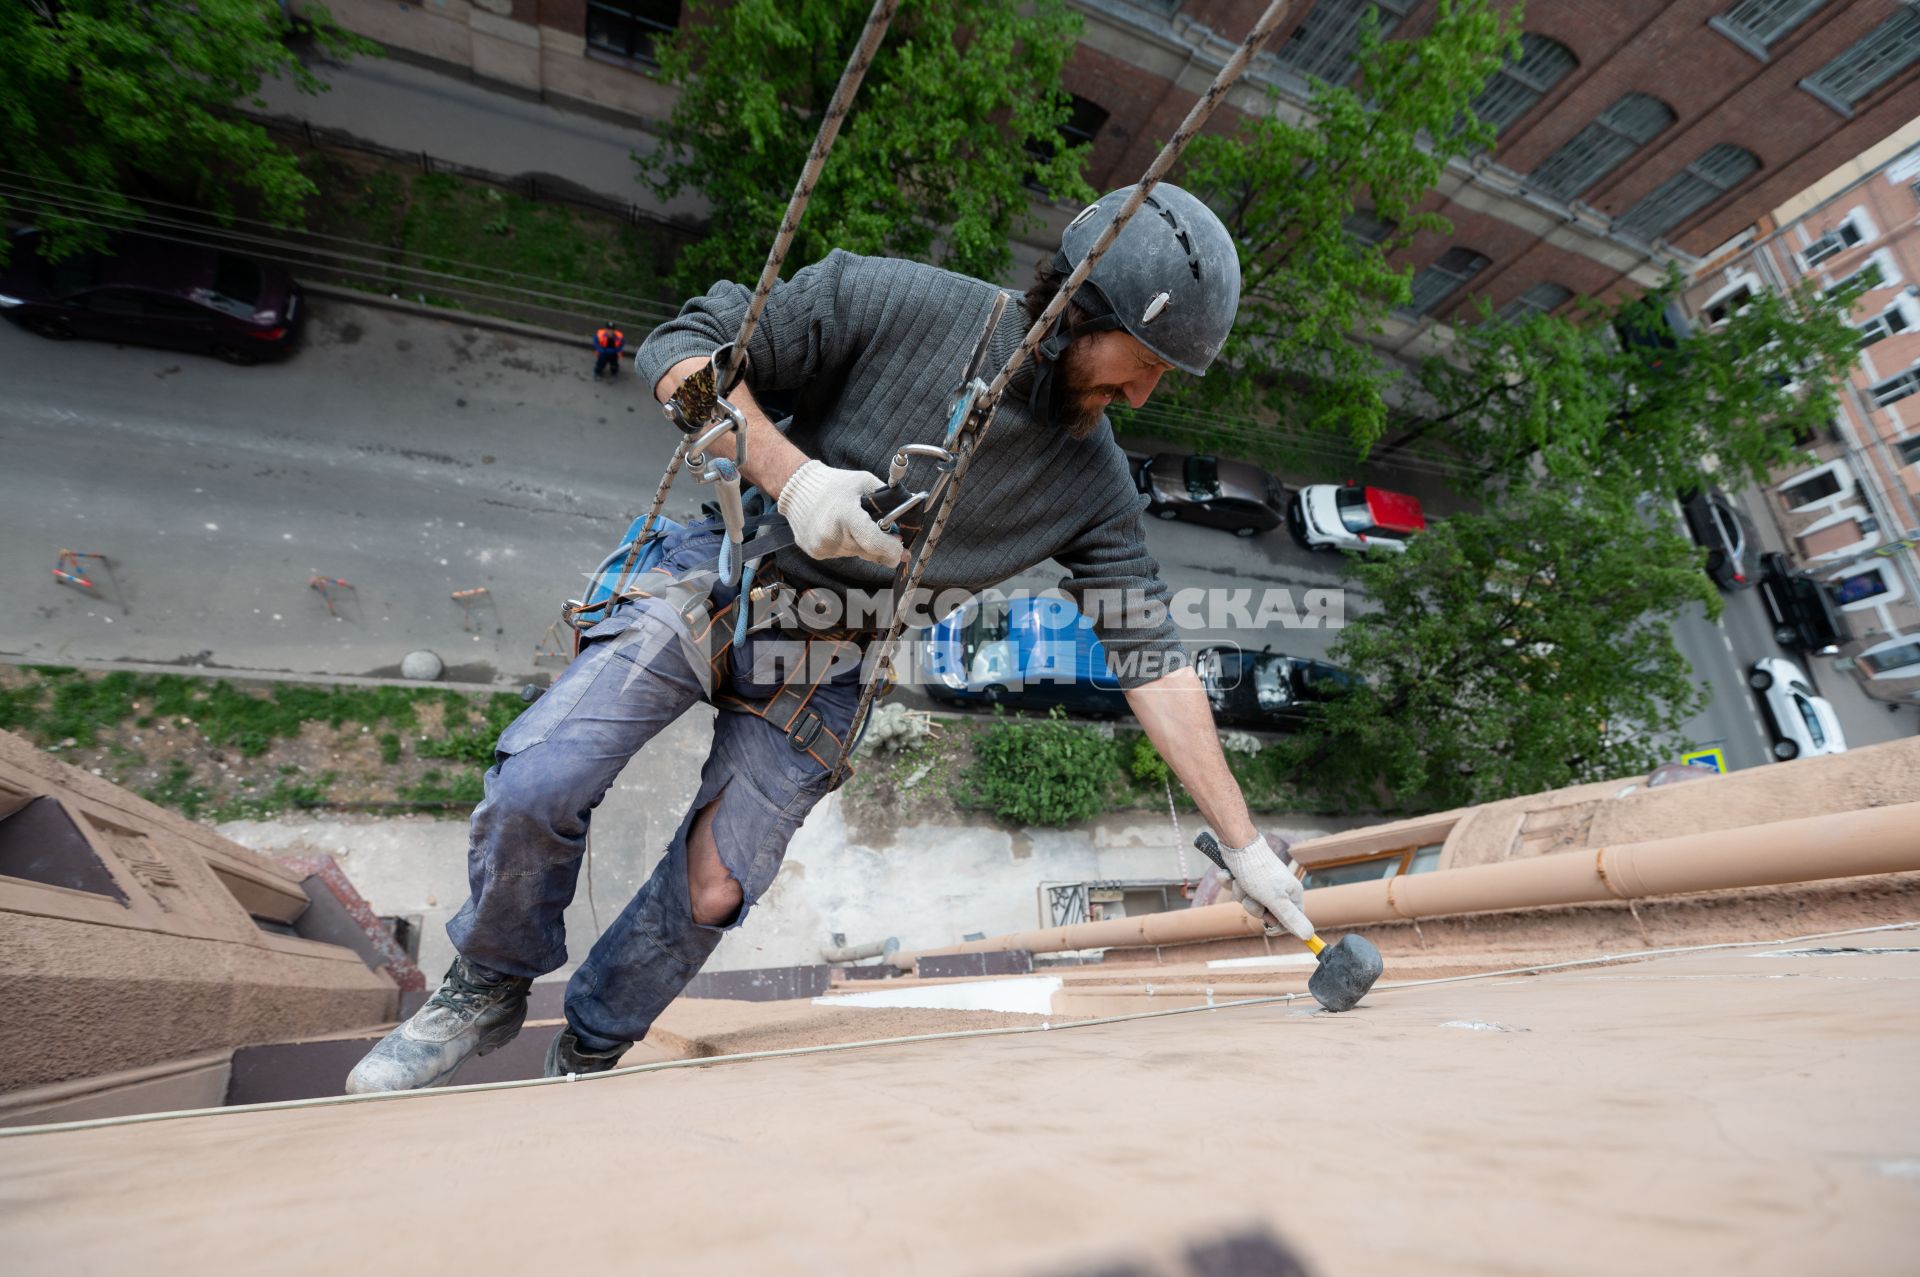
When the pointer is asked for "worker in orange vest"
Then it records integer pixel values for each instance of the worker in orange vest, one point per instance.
(609, 341)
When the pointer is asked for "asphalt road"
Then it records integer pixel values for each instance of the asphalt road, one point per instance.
(1721, 652)
(413, 458)
(409, 457)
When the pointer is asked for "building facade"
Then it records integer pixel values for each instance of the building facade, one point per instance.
(1632, 134)
(1850, 513)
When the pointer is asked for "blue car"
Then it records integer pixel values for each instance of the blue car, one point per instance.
(1032, 653)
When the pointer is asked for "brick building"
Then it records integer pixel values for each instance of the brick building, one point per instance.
(1632, 134)
(1850, 514)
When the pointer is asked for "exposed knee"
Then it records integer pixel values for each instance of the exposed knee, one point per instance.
(714, 892)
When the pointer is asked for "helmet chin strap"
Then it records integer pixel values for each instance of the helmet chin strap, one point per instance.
(1097, 316)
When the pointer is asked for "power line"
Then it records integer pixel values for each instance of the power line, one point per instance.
(592, 301)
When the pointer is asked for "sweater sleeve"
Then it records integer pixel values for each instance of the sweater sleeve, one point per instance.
(797, 338)
(1116, 584)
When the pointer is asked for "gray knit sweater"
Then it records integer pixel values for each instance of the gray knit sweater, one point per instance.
(871, 350)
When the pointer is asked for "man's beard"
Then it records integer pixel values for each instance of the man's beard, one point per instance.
(1076, 403)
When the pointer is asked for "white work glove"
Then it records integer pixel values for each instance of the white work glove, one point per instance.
(1265, 885)
(823, 505)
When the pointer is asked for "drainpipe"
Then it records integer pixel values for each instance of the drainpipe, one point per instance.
(1872, 840)
(840, 952)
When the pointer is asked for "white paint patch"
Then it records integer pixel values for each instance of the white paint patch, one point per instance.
(1268, 960)
(1022, 995)
(1481, 1026)
(211, 527)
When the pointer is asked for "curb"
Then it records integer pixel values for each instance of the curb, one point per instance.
(386, 301)
(259, 676)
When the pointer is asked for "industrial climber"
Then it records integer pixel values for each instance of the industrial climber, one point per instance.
(866, 351)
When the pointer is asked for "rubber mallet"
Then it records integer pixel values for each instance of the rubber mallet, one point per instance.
(1346, 969)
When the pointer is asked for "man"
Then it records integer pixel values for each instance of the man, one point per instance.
(609, 341)
(868, 350)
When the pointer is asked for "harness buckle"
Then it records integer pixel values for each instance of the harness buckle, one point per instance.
(806, 730)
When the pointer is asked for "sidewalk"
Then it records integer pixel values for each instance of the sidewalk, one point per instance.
(413, 108)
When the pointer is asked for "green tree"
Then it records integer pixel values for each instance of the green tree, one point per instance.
(1318, 203)
(1510, 652)
(1610, 395)
(101, 100)
(932, 156)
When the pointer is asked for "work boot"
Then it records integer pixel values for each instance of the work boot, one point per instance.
(471, 1014)
(565, 1055)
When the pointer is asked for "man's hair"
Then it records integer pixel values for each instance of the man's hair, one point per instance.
(1046, 282)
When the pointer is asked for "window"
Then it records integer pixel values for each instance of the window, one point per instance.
(629, 28)
(1755, 24)
(1702, 182)
(1365, 226)
(1909, 450)
(1802, 700)
(1084, 121)
(1887, 50)
(1541, 299)
(1811, 490)
(113, 301)
(1869, 277)
(1880, 271)
(1598, 149)
(1516, 86)
(1894, 389)
(1836, 241)
(1725, 308)
(1325, 44)
(1439, 281)
(1891, 657)
(1897, 318)
(1859, 587)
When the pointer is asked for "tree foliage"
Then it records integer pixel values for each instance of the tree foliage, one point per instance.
(1510, 652)
(932, 157)
(1289, 188)
(103, 100)
(1611, 397)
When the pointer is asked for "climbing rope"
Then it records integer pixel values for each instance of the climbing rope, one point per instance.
(979, 418)
(878, 20)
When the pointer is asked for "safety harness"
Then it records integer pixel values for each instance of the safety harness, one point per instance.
(701, 410)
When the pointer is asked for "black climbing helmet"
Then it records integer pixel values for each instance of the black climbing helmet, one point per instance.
(1172, 279)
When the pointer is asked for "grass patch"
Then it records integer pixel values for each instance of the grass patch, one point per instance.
(454, 224)
(215, 749)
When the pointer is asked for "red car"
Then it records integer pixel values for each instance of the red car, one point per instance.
(154, 292)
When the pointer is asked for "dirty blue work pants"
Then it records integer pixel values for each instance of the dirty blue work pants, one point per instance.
(554, 764)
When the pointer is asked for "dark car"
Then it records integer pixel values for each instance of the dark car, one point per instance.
(1720, 529)
(154, 292)
(1266, 689)
(1242, 498)
(1804, 612)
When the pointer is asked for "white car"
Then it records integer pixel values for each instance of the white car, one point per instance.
(1804, 723)
(1336, 517)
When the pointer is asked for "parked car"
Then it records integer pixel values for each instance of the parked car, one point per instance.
(1805, 614)
(1242, 498)
(1327, 516)
(1804, 724)
(1266, 689)
(1034, 653)
(1717, 526)
(154, 292)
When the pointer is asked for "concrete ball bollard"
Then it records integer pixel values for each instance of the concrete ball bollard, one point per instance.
(423, 666)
